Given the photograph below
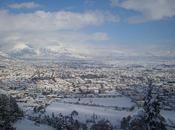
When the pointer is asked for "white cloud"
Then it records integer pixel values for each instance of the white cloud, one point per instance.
(77, 43)
(27, 5)
(100, 36)
(150, 10)
(53, 30)
(71, 40)
(52, 21)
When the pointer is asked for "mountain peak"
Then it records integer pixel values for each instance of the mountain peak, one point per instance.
(20, 46)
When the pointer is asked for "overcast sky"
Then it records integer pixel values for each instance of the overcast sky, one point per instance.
(124, 27)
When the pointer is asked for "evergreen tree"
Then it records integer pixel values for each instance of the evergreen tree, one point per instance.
(149, 118)
(153, 118)
(9, 112)
(152, 109)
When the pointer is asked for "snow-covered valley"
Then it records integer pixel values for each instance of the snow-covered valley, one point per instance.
(85, 94)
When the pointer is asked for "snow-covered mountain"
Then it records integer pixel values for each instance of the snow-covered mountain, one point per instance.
(24, 51)
(21, 51)
(2, 54)
(63, 52)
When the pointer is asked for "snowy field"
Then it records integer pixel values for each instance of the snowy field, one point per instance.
(26, 124)
(87, 112)
(121, 102)
(90, 107)
(102, 108)
(169, 116)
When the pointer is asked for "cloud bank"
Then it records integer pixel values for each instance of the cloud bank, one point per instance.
(24, 5)
(67, 31)
(150, 10)
(52, 30)
(52, 21)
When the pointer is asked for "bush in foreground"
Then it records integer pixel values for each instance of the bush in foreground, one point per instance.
(147, 119)
(9, 112)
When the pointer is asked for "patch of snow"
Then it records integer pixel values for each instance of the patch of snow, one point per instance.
(2, 91)
(26, 124)
(86, 112)
(123, 102)
(169, 116)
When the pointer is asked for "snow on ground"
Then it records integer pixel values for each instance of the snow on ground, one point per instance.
(2, 91)
(26, 124)
(123, 102)
(86, 112)
(169, 116)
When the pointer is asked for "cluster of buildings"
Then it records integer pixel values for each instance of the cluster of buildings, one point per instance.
(40, 84)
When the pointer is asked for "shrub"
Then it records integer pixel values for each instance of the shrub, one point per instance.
(9, 112)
